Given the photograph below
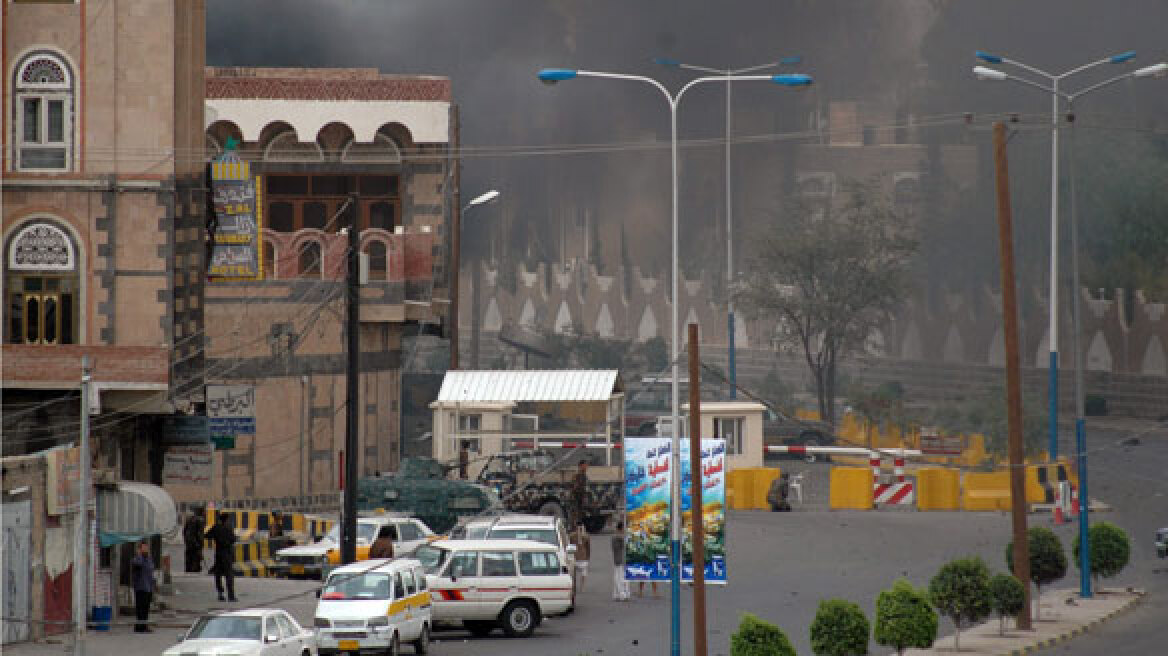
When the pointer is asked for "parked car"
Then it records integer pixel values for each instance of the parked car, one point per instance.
(545, 529)
(485, 584)
(374, 606)
(1162, 543)
(783, 430)
(315, 560)
(252, 632)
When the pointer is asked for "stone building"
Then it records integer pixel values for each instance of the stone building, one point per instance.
(103, 227)
(313, 136)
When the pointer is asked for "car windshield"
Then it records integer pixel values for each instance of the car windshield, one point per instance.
(431, 557)
(547, 536)
(225, 627)
(365, 532)
(476, 533)
(345, 586)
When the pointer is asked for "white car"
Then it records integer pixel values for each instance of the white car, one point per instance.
(540, 528)
(252, 632)
(374, 607)
(315, 560)
(484, 584)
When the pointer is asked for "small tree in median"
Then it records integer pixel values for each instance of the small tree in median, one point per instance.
(1008, 597)
(904, 618)
(1048, 562)
(961, 592)
(1110, 550)
(756, 637)
(840, 629)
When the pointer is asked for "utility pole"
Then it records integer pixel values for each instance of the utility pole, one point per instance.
(1013, 373)
(81, 537)
(352, 352)
(696, 518)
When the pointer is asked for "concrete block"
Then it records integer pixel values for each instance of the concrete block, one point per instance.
(850, 488)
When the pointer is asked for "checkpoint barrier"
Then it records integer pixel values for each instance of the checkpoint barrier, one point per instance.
(938, 488)
(746, 487)
(986, 491)
(851, 488)
(253, 559)
(247, 523)
(1042, 482)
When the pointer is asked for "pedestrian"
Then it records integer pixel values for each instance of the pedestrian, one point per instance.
(620, 587)
(382, 547)
(276, 525)
(580, 490)
(583, 544)
(193, 530)
(223, 567)
(142, 578)
(641, 588)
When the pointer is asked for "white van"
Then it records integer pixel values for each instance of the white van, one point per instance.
(374, 606)
(511, 584)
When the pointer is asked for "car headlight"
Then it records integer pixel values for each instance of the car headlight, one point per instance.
(380, 621)
(321, 622)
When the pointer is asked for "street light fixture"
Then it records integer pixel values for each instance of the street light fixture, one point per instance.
(554, 75)
(455, 266)
(483, 199)
(983, 73)
(731, 364)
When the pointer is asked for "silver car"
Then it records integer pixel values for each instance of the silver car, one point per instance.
(252, 632)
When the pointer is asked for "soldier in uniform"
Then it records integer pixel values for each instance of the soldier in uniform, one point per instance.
(579, 492)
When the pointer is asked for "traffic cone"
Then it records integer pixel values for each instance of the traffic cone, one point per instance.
(1059, 518)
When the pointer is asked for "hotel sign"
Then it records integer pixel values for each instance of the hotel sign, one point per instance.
(236, 224)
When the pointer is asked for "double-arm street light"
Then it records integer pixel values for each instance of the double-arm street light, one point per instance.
(554, 75)
(984, 73)
(731, 365)
(1052, 88)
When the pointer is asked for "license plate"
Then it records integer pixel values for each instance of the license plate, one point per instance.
(296, 569)
(348, 645)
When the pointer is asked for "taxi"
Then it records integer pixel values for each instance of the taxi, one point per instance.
(374, 606)
(316, 560)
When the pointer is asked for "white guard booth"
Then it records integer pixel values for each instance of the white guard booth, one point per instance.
(740, 424)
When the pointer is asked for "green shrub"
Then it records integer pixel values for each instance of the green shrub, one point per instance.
(961, 592)
(840, 629)
(1008, 597)
(1110, 549)
(904, 618)
(756, 637)
(1048, 562)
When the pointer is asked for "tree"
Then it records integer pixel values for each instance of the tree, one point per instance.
(840, 629)
(961, 592)
(757, 637)
(904, 618)
(1048, 563)
(1008, 597)
(880, 406)
(828, 274)
(986, 414)
(1110, 550)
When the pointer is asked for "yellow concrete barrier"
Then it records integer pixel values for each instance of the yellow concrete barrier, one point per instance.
(761, 478)
(738, 489)
(986, 491)
(938, 488)
(851, 488)
(746, 487)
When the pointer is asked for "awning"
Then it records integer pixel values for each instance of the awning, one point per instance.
(134, 511)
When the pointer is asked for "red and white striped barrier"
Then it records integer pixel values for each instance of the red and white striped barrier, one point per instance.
(893, 494)
(557, 444)
(844, 451)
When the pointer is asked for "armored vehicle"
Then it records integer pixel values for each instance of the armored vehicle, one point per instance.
(536, 481)
(418, 489)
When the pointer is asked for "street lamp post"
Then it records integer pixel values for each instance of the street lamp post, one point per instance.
(1156, 70)
(554, 75)
(731, 365)
(1054, 80)
(455, 264)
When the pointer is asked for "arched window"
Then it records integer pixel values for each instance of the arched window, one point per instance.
(43, 113)
(41, 286)
(285, 147)
(382, 150)
(310, 258)
(378, 260)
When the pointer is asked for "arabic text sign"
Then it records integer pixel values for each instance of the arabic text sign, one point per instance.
(647, 481)
(235, 198)
(63, 478)
(187, 465)
(231, 409)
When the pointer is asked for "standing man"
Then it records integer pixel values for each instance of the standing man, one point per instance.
(583, 544)
(382, 547)
(142, 578)
(620, 587)
(223, 567)
(193, 530)
(580, 491)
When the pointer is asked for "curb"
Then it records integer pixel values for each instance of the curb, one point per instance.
(1079, 630)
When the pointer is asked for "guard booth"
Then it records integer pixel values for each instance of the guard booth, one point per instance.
(740, 424)
(496, 411)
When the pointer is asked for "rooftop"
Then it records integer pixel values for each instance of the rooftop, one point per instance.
(323, 84)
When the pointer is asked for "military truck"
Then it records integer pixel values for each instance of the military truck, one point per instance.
(419, 489)
(536, 481)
